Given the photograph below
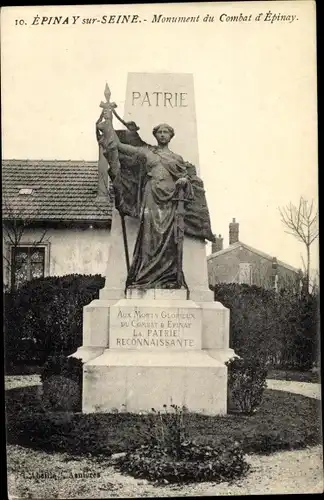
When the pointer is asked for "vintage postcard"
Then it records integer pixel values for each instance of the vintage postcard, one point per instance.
(160, 250)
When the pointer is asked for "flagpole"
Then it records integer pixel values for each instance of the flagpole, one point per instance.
(122, 218)
(111, 106)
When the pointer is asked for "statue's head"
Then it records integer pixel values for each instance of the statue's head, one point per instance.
(163, 133)
(107, 113)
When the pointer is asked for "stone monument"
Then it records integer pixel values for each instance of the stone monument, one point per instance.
(155, 336)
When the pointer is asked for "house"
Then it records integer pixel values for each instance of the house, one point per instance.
(241, 263)
(56, 218)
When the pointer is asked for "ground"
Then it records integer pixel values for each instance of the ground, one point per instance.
(298, 471)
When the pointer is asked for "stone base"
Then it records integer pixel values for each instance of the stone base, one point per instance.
(86, 353)
(137, 381)
(155, 348)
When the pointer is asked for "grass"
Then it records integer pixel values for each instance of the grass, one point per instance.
(294, 375)
(284, 421)
(23, 369)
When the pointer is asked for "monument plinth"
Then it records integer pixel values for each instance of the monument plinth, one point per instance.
(159, 352)
(155, 336)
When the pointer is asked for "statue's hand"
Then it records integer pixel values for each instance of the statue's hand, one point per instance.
(132, 127)
(191, 169)
(182, 182)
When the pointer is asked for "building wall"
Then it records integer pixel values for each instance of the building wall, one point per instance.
(225, 268)
(68, 250)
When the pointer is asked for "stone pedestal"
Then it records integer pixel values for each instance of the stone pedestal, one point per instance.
(160, 349)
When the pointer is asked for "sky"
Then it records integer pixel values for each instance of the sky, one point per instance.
(255, 98)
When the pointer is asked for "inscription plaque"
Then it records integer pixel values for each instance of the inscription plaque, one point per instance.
(145, 327)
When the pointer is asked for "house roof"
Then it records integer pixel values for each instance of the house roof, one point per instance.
(61, 191)
(239, 244)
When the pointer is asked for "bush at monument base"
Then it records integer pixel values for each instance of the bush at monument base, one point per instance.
(196, 463)
(171, 457)
(164, 429)
(246, 384)
(62, 383)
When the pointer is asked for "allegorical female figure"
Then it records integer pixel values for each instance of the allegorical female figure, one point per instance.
(147, 182)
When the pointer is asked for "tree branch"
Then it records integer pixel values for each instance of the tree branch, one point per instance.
(301, 222)
(15, 226)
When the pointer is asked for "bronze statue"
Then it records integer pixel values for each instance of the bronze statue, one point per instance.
(162, 190)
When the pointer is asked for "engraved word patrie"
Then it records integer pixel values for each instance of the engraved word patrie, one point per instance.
(166, 99)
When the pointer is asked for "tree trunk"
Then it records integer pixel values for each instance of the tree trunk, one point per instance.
(308, 269)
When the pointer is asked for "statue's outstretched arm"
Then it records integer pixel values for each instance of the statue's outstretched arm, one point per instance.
(126, 149)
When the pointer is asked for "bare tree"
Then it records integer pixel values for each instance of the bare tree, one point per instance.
(16, 221)
(302, 222)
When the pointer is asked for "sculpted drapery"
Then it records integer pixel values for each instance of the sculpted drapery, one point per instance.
(147, 181)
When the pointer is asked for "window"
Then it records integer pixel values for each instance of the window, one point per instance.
(27, 263)
(245, 275)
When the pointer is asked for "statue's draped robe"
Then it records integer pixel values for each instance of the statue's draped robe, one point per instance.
(144, 186)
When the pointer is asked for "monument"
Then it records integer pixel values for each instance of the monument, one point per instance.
(155, 336)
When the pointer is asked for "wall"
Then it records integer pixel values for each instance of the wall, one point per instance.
(70, 250)
(224, 268)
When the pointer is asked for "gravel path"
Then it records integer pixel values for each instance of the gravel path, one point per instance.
(305, 388)
(13, 381)
(297, 471)
(288, 472)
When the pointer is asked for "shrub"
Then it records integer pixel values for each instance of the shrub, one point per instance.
(309, 376)
(62, 383)
(280, 329)
(44, 316)
(165, 430)
(65, 366)
(196, 463)
(246, 384)
(170, 457)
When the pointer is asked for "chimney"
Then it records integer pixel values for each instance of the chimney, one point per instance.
(233, 232)
(217, 245)
(103, 183)
(274, 265)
